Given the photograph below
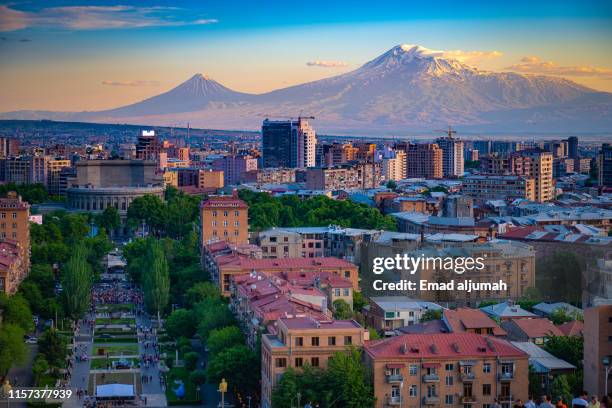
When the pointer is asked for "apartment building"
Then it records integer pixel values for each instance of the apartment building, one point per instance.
(13, 266)
(446, 369)
(537, 165)
(388, 313)
(345, 177)
(210, 179)
(271, 175)
(288, 143)
(452, 156)
(15, 232)
(395, 168)
(224, 218)
(597, 346)
(424, 160)
(301, 341)
(491, 187)
(55, 175)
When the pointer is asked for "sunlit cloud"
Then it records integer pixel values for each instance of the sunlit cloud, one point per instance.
(471, 57)
(534, 65)
(327, 64)
(98, 17)
(131, 83)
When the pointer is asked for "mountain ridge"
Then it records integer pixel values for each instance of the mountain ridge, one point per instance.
(407, 87)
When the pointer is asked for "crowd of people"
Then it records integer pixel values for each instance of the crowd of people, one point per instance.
(581, 401)
(115, 293)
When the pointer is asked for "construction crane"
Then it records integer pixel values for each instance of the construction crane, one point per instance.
(264, 115)
(450, 131)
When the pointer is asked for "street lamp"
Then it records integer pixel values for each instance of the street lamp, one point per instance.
(223, 390)
(607, 362)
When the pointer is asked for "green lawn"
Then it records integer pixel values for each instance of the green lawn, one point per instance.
(114, 330)
(120, 339)
(190, 389)
(116, 320)
(116, 350)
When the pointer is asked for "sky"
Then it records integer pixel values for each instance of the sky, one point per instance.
(92, 55)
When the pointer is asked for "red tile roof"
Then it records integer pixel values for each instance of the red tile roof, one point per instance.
(303, 323)
(292, 263)
(463, 319)
(441, 345)
(535, 328)
(573, 328)
(224, 201)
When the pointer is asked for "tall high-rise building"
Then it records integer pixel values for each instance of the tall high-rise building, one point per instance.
(395, 168)
(54, 175)
(288, 143)
(604, 165)
(538, 165)
(424, 160)
(572, 147)
(148, 146)
(452, 156)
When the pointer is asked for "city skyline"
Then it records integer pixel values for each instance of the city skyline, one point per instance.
(67, 55)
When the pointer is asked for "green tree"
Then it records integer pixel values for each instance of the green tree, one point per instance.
(359, 301)
(560, 387)
(350, 380)
(391, 184)
(201, 291)
(53, 347)
(486, 303)
(212, 315)
(181, 322)
(197, 377)
(220, 339)
(39, 367)
(235, 364)
(568, 348)
(109, 219)
(17, 312)
(191, 360)
(342, 310)
(156, 280)
(76, 282)
(561, 315)
(431, 315)
(12, 348)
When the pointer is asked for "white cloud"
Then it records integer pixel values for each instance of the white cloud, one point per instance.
(137, 82)
(534, 65)
(98, 17)
(327, 64)
(471, 57)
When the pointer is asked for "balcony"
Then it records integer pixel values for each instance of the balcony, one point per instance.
(468, 377)
(394, 401)
(431, 378)
(468, 399)
(504, 398)
(431, 400)
(393, 379)
(505, 376)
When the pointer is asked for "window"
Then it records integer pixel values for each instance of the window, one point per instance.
(348, 340)
(413, 369)
(236, 233)
(285, 239)
(331, 341)
(337, 292)
(395, 391)
(3, 215)
(299, 361)
(389, 315)
(214, 213)
(272, 239)
(449, 367)
(314, 361)
(281, 362)
(225, 213)
(347, 274)
(412, 391)
(449, 380)
(214, 223)
(236, 213)
(14, 235)
(299, 341)
(486, 389)
(214, 233)
(314, 341)
(345, 292)
(236, 223)
(448, 400)
(467, 390)
(14, 216)
(225, 223)
(486, 368)
(225, 233)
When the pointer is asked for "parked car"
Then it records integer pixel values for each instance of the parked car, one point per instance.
(31, 340)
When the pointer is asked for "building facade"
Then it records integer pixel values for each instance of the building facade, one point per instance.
(288, 143)
(424, 160)
(224, 218)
